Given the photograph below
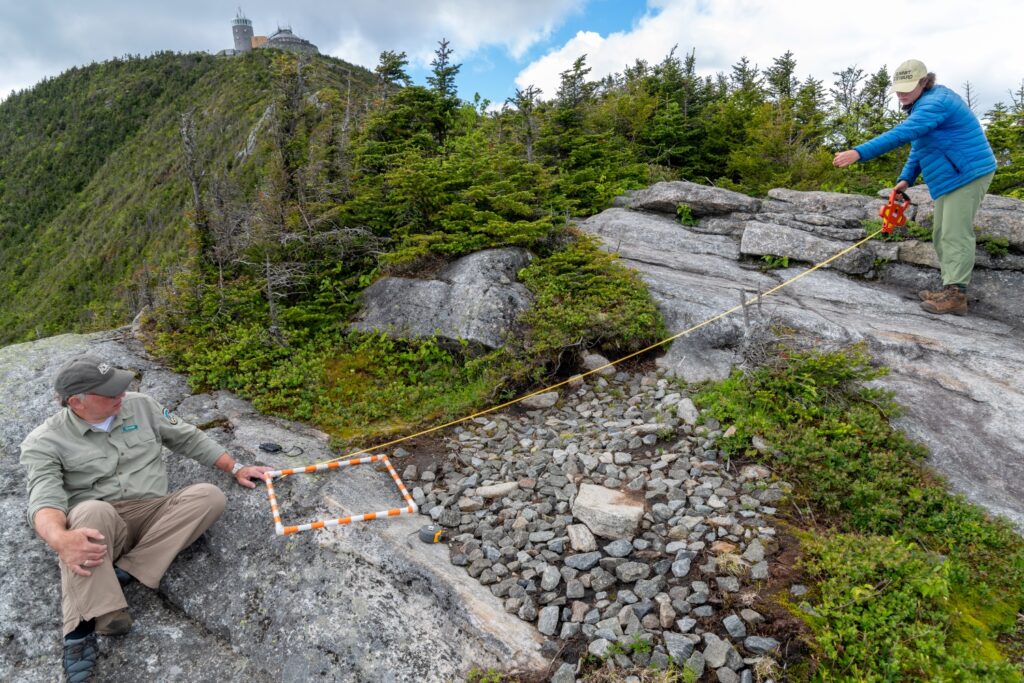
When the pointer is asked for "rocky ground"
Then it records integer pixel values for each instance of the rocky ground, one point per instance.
(242, 603)
(607, 517)
(604, 515)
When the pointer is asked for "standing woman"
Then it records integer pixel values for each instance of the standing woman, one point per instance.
(947, 146)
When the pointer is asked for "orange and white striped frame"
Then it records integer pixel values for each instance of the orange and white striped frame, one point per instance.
(275, 509)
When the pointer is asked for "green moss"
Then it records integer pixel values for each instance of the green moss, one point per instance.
(886, 609)
(771, 261)
(995, 246)
(911, 231)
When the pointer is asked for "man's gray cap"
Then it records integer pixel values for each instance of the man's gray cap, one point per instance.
(90, 375)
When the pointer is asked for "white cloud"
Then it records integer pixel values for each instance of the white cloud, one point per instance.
(469, 25)
(959, 41)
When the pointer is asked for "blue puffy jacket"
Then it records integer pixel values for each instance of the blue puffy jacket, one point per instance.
(947, 144)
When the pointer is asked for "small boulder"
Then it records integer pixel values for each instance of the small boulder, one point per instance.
(759, 645)
(540, 401)
(593, 361)
(547, 623)
(580, 538)
(608, 513)
(497, 490)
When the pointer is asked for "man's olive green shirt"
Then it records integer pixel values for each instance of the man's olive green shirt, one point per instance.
(69, 461)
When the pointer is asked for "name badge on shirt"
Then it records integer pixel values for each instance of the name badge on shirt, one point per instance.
(129, 428)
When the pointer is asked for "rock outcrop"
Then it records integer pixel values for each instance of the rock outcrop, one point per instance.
(360, 603)
(476, 299)
(960, 378)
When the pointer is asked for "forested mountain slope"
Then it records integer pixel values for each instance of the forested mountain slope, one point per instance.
(94, 196)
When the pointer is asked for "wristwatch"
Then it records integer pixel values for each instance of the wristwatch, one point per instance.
(235, 468)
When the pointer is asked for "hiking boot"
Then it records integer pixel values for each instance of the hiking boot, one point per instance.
(79, 659)
(950, 300)
(116, 623)
(929, 295)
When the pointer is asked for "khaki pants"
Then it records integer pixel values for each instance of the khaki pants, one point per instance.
(953, 230)
(143, 537)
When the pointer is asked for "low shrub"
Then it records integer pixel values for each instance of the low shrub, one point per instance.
(913, 582)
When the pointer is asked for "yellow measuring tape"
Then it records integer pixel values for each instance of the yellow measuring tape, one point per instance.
(655, 345)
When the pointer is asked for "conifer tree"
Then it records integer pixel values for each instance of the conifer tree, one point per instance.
(780, 78)
(1005, 132)
(746, 84)
(391, 72)
(574, 90)
(442, 84)
(525, 101)
(844, 118)
(875, 115)
(969, 98)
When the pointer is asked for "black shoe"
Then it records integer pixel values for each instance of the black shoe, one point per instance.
(123, 577)
(79, 659)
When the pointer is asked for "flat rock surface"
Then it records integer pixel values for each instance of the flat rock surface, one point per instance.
(365, 602)
(961, 379)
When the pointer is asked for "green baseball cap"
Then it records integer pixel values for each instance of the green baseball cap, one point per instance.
(907, 75)
(90, 375)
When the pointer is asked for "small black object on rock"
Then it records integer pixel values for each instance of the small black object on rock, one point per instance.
(432, 534)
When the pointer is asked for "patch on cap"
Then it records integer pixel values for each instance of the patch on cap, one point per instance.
(87, 374)
(907, 75)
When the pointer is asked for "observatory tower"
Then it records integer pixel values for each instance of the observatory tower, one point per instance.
(241, 29)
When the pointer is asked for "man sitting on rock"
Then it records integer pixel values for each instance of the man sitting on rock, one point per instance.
(97, 494)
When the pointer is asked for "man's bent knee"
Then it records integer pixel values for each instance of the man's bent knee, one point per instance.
(92, 514)
(208, 496)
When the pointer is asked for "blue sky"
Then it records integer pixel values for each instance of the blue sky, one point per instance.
(492, 71)
(502, 46)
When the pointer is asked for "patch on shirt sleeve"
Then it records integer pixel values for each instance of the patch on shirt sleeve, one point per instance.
(171, 417)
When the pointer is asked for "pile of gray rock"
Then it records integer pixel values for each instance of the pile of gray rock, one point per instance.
(607, 516)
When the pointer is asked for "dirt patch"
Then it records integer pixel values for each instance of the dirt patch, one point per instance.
(642, 364)
(774, 596)
(1013, 644)
(630, 497)
(425, 451)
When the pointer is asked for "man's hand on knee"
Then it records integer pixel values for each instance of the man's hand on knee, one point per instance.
(81, 549)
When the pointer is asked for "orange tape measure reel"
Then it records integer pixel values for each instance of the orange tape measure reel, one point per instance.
(893, 214)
